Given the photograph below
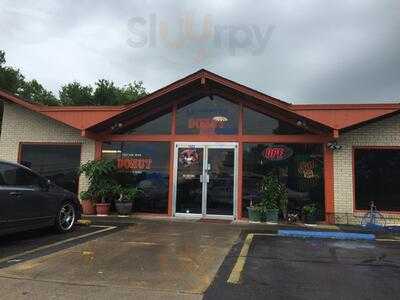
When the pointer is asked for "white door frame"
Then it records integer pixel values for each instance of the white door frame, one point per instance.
(206, 146)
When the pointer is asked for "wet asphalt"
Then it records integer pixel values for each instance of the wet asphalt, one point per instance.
(293, 268)
(275, 267)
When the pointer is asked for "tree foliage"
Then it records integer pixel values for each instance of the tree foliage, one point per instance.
(104, 93)
(76, 94)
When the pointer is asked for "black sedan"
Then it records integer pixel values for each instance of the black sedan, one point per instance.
(29, 201)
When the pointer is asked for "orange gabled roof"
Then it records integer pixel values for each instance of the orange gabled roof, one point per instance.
(79, 117)
(342, 116)
(331, 116)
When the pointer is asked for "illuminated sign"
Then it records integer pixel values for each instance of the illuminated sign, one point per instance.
(277, 152)
(134, 164)
(206, 123)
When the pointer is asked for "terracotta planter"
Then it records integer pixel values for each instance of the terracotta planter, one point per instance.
(103, 209)
(88, 207)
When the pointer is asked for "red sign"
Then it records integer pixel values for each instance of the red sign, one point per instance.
(134, 163)
(276, 153)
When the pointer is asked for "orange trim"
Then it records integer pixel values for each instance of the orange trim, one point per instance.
(299, 139)
(329, 184)
(98, 150)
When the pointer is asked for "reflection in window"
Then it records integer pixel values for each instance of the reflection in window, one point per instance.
(144, 165)
(377, 174)
(209, 115)
(258, 123)
(299, 167)
(160, 124)
(59, 163)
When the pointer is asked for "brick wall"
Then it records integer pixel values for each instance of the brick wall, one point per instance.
(381, 133)
(22, 125)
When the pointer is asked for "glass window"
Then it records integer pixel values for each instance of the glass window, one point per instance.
(159, 124)
(258, 123)
(59, 163)
(11, 175)
(298, 166)
(144, 165)
(377, 173)
(209, 115)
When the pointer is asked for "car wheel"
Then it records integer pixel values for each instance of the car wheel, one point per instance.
(65, 218)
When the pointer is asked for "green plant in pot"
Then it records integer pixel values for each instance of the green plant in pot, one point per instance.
(310, 213)
(273, 195)
(87, 202)
(127, 196)
(255, 214)
(100, 174)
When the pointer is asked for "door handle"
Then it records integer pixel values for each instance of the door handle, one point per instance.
(15, 194)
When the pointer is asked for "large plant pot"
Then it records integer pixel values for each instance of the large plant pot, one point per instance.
(254, 215)
(310, 218)
(124, 208)
(88, 207)
(271, 215)
(103, 209)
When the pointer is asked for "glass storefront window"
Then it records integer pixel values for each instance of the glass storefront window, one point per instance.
(208, 116)
(159, 124)
(377, 173)
(257, 123)
(59, 163)
(144, 165)
(298, 166)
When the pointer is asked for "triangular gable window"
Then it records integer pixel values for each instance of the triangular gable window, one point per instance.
(256, 123)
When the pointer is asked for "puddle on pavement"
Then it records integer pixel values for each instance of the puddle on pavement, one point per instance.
(352, 245)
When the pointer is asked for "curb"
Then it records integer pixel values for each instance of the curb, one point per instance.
(327, 235)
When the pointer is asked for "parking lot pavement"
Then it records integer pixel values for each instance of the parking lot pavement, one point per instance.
(26, 245)
(152, 260)
(292, 268)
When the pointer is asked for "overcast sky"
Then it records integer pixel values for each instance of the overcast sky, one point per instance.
(299, 51)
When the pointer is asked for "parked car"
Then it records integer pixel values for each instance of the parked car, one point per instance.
(29, 201)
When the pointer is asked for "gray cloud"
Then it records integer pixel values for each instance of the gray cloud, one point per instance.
(300, 51)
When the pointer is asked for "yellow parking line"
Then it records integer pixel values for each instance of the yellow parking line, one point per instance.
(234, 277)
(104, 228)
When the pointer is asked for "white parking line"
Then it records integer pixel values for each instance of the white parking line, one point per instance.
(104, 229)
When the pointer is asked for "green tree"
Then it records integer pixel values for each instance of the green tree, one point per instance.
(10, 79)
(132, 92)
(34, 91)
(76, 94)
(106, 93)
(13, 81)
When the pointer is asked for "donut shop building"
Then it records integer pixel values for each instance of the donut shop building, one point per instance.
(200, 147)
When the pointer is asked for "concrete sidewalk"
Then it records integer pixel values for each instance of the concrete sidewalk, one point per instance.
(150, 260)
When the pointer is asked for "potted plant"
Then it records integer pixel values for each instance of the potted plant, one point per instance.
(87, 203)
(127, 196)
(255, 214)
(100, 174)
(273, 195)
(310, 213)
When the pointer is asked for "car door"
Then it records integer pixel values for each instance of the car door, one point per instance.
(4, 202)
(28, 198)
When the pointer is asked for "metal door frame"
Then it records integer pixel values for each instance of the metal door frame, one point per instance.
(205, 146)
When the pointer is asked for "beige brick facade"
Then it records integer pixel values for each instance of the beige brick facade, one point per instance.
(381, 133)
(22, 125)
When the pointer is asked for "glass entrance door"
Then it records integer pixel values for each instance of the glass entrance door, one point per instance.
(205, 179)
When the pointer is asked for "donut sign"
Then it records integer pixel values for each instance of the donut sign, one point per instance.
(277, 152)
(134, 164)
